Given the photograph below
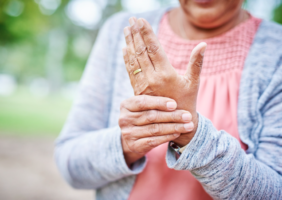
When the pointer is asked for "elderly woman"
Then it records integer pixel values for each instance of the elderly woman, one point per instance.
(177, 138)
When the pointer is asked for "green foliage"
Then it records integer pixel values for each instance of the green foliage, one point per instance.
(25, 34)
(26, 26)
(277, 14)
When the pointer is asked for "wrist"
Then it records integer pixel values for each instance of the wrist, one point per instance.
(129, 156)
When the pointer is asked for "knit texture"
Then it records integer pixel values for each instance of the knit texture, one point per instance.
(224, 52)
(89, 152)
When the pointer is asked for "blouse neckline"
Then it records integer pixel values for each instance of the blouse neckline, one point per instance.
(227, 34)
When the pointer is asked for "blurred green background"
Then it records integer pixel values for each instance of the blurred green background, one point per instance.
(44, 45)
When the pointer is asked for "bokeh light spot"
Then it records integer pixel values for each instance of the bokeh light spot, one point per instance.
(84, 13)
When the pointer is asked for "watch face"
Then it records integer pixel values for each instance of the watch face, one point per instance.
(174, 146)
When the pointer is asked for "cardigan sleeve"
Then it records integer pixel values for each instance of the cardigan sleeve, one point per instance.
(88, 154)
(226, 171)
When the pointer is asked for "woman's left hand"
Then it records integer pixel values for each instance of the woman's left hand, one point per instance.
(158, 77)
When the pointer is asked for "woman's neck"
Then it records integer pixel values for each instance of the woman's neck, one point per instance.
(185, 29)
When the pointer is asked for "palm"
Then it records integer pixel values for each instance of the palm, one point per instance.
(158, 77)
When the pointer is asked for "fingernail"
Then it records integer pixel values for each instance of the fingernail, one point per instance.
(131, 21)
(140, 23)
(202, 52)
(189, 126)
(126, 31)
(171, 105)
(186, 117)
(124, 51)
(176, 134)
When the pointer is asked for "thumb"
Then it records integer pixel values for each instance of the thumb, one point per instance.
(195, 63)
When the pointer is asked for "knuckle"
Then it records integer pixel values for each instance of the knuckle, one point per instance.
(125, 103)
(140, 50)
(131, 146)
(129, 39)
(151, 142)
(159, 102)
(155, 129)
(151, 116)
(131, 73)
(153, 48)
(132, 60)
(145, 31)
(125, 58)
(125, 62)
(199, 63)
(123, 120)
(141, 102)
(126, 133)
(178, 128)
(175, 116)
(134, 30)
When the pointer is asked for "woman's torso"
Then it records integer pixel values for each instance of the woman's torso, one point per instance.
(262, 53)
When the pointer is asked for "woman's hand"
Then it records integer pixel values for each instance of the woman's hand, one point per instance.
(158, 77)
(147, 122)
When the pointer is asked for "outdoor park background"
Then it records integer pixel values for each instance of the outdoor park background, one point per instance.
(44, 45)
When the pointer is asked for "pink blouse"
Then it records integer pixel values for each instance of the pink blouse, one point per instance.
(217, 100)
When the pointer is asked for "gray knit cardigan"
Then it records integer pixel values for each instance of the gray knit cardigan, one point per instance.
(89, 152)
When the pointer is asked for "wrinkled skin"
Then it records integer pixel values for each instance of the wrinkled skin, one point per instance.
(158, 77)
(147, 122)
(193, 20)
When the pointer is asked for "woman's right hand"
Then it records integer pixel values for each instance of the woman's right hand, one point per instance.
(149, 121)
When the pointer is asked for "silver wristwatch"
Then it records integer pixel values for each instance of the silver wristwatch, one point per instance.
(177, 148)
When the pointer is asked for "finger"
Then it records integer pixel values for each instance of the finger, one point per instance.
(145, 102)
(140, 48)
(146, 144)
(196, 63)
(154, 49)
(159, 129)
(126, 58)
(132, 20)
(137, 79)
(127, 65)
(155, 116)
(133, 63)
